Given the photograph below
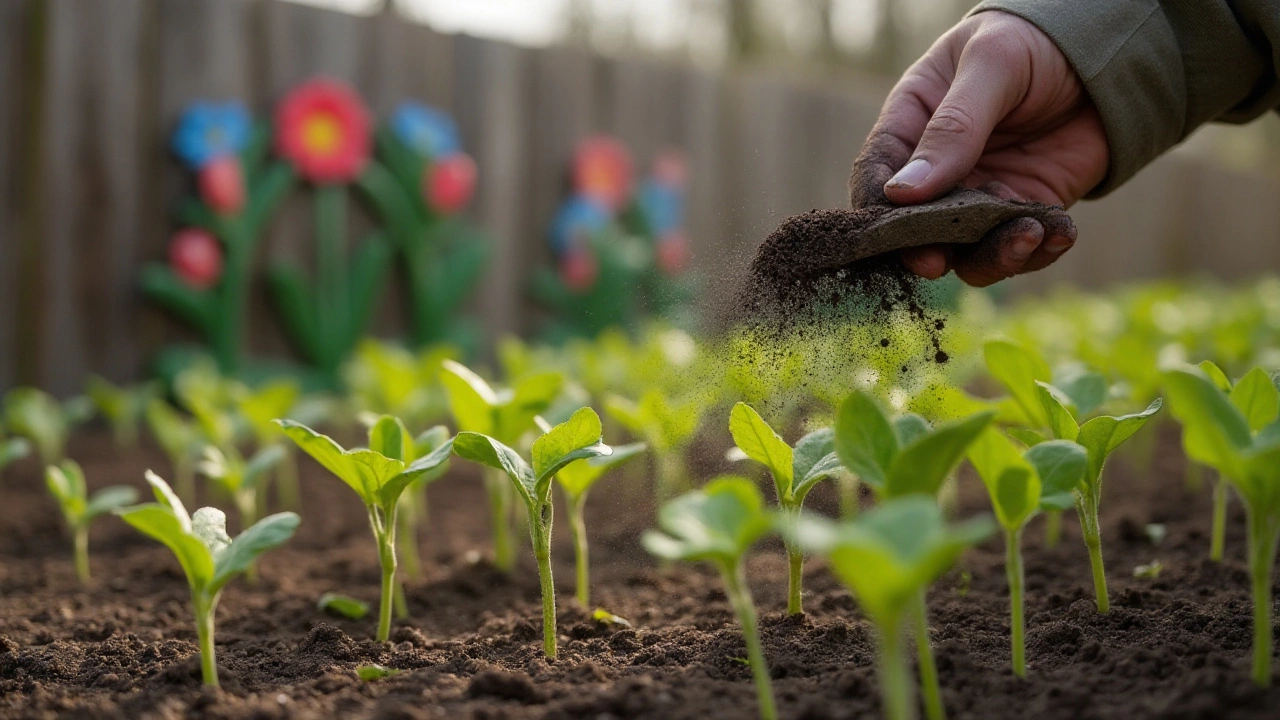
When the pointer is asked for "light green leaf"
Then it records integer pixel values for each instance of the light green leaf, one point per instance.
(169, 499)
(718, 523)
(161, 523)
(757, 439)
(470, 398)
(390, 493)
(490, 452)
(12, 450)
(1030, 438)
(1216, 375)
(1215, 433)
(909, 428)
(346, 606)
(1086, 390)
(922, 466)
(1060, 466)
(1018, 369)
(865, 440)
(998, 461)
(1016, 496)
(1059, 419)
(110, 499)
(1256, 398)
(174, 434)
(1102, 435)
(269, 532)
(578, 477)
(575, 439)
(261, 464)
(364, 471)
(390, 438)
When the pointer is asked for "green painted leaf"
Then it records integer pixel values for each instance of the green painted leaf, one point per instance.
(1060, 420)
(1257, 399)
(1060, 466)
(718, 523)
(343, 605)
(161, 523)
(922, 466)
(269, 532)
(865, 440)
(757, 439)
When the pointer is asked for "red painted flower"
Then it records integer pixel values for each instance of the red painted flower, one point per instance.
(222, 185)
(579, 269)
(670, 169)
(196, 256)
(602, 171)
(449, 183)
(673, 253)
(323, 128)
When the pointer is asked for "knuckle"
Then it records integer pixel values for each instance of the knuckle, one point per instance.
(950, 120)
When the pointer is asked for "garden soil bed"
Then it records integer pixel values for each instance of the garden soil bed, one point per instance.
(1174, 647)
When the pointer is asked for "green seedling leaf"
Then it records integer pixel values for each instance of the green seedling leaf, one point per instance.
(35, 415)
(67, 485)
(1061, 422)
(1061, 466)
(268, 533)
(1018, 369)
(1103, 434)
(909, 428)
(489, 452)
(601, 615)
(471, 398)
(814, 459)
(718, 523)
(1257, 399)
(343, 605)
(12, 450)
(921, 466)
(1085, 390)
(865, 440)
(760, 443)
(578, 438)
(1216, 375)
(1215, 432)
(578, 477)
(369, 673)
(1149, 571)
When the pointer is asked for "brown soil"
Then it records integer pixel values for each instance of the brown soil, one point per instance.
(1174, 647)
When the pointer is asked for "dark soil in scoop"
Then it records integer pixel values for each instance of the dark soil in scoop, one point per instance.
(1174, 647)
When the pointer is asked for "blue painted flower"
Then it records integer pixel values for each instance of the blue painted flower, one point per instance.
(663, 207)
(208, 131)
(578, 216)
(429, 132)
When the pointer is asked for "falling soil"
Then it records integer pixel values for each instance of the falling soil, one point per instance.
(1177, 646)
(826, 268)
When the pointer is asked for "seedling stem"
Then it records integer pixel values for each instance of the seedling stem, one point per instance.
(740, 598)
(1017, 624)
(1217, 542)
(581, 557)
(929, 685)
(1262, 556)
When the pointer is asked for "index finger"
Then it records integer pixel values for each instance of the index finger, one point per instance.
(891, 141)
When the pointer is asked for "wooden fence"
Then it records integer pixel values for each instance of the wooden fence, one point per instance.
(90, 89)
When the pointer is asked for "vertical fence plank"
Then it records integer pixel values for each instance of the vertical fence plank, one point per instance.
(494, 116)
(91, 175)
(13, 24)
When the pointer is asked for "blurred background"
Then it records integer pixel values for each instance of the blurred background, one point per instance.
(766, 102)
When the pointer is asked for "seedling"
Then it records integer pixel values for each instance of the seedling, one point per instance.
(1100, 437)
(667, 425)
(369, 673)
(902, 457)
(576, 480)
(180, 439)
(1043, 478)
(1149, 571)
(13, 450)
(259, 408)
(121, 406)
(1243, 398)
(719, 524)
(66, 484)
(413, 504)
(209, 557)
(888, 557)
(386, 379)
(795, 472)
(379, 475)
(575, 439)
(38, 417)
(347, 607)
(504, 415)
(238, 478)
(1238, 435)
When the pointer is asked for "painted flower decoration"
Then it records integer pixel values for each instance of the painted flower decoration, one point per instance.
(579, 269)
(673, 253)
(221, 185)
(662, 206)
(602, 170)
(323, 128)
(195, 256)
(579, 218)
(671, 169)
(428, 131)
(449, 183)
(209, 131)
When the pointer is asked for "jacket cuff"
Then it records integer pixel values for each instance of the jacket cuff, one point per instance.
(1128, 58)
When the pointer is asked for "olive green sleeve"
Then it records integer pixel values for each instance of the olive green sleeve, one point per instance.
(1159, 69)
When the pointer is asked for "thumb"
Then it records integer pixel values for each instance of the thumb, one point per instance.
(986, 88)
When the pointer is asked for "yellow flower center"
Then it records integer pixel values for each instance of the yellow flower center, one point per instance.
(321, 133)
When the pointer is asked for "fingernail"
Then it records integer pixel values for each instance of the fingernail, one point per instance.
(1057, 246)
(1022, 248)
(915, 172)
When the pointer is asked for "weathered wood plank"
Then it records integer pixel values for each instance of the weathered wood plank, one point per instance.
(91, 155)
(14, 20)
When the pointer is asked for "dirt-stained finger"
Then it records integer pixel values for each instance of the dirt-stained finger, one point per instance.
(1003, 253)
(928, 261)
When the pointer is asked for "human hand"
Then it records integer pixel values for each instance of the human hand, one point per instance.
(992, 105)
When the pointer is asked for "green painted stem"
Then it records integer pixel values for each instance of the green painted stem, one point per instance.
(895, 689)
(540, 535)
(929, 685)
(581, 555)
(205, 609)
(496, 487)
(333, 292)
(1262, 556)
(1017, 623)
(82, 554)
(229, 318)
(1218, 535)
(1052, 528)
(745, 609)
